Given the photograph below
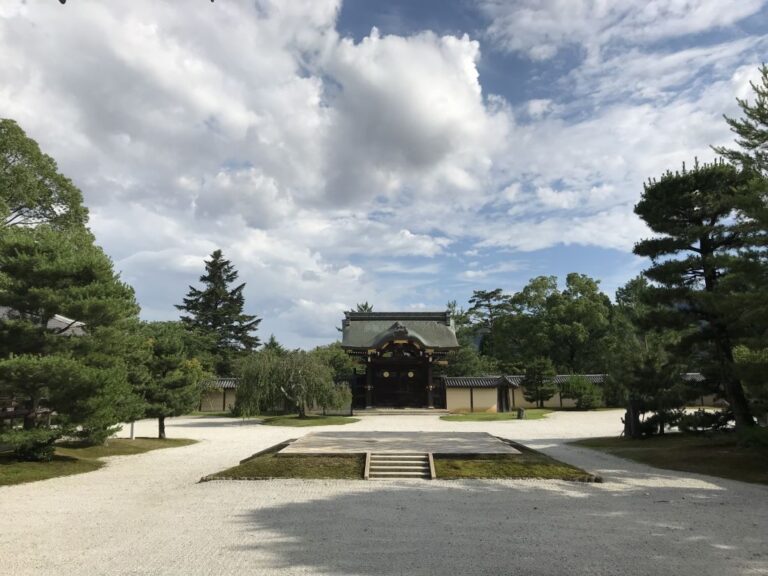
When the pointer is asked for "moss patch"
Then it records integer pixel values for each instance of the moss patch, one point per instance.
(528, 464)
(75, 459)
(530, 414)
(268, 464)
(717, 454)
(293, 420)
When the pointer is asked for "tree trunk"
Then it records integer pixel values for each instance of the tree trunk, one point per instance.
(632, 420)
(30, 419)
(733, 388)
(161, 427)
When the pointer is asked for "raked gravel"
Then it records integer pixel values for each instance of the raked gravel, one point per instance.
(147, 514)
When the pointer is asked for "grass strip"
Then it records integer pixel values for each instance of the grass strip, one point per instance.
(269, 464)
(72, 459)
(310, 420)
(530, 414)
(528, 464)
(716, 454)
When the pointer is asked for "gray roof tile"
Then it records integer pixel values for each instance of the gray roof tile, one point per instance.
(361, 330)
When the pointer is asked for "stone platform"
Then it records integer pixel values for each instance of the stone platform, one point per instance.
(399, 443)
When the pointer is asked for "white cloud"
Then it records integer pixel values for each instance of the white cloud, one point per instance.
(541, 28)
(409, 114)
(617, 228)
(539, 107)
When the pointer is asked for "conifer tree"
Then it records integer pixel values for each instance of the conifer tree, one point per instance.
(538, 382)
(697, 244)
(216, 311)
(751, 129)
(174, 373)
(750, 275)
(47, 272)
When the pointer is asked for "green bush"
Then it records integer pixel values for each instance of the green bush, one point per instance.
(35, 445)
(587, 394)
(703, 421)
(96, 435)
(660, 420)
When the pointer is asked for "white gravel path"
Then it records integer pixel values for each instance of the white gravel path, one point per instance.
(147, 514)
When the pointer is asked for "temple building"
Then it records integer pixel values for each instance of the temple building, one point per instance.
(400, 351)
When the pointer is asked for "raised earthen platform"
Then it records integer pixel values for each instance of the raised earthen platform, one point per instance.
(399, 443)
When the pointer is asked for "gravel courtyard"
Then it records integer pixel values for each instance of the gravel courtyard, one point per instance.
(147, 514)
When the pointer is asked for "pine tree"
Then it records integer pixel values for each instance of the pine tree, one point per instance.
(750, 275)
(47, 272)
(174, 373)
(488, 305)
(216, 311)
(538, 382)
(697, 244)
(752, 129)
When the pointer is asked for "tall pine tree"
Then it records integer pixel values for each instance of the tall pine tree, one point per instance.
(697, 245)
(216, 311)
(750, 276)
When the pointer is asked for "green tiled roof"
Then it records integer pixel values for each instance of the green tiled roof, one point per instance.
(366, 330)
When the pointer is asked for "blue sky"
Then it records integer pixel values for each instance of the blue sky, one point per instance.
(401, 153)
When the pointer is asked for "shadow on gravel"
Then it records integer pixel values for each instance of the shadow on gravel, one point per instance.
(487, 527)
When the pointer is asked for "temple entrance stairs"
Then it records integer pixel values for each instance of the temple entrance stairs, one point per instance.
(380, 466)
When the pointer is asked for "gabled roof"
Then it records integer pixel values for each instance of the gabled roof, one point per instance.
(368, 330)
(220, 383)
(478, 381)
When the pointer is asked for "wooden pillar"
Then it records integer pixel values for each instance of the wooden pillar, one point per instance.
(369, 386)
(471, 399)
(223, 399)
(430, 387)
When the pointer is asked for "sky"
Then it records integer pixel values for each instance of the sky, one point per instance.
(403, 153)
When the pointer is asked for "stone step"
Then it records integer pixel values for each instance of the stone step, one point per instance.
(400, 459)
(399, 474)
(400, 467)
(399, 456)
(385, 465)
(399, 463)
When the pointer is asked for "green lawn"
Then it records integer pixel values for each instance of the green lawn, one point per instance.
(530, 414)
(311, 420)
(73, 459)
(716, 454)
(219, 414)
(528, 464)
(268, 464)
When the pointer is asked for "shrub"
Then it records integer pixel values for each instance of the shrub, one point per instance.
(35, 445)
(703, 421)
(658, 421)
(587, 394)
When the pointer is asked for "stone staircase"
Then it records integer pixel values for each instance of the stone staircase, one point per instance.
(380, 466)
